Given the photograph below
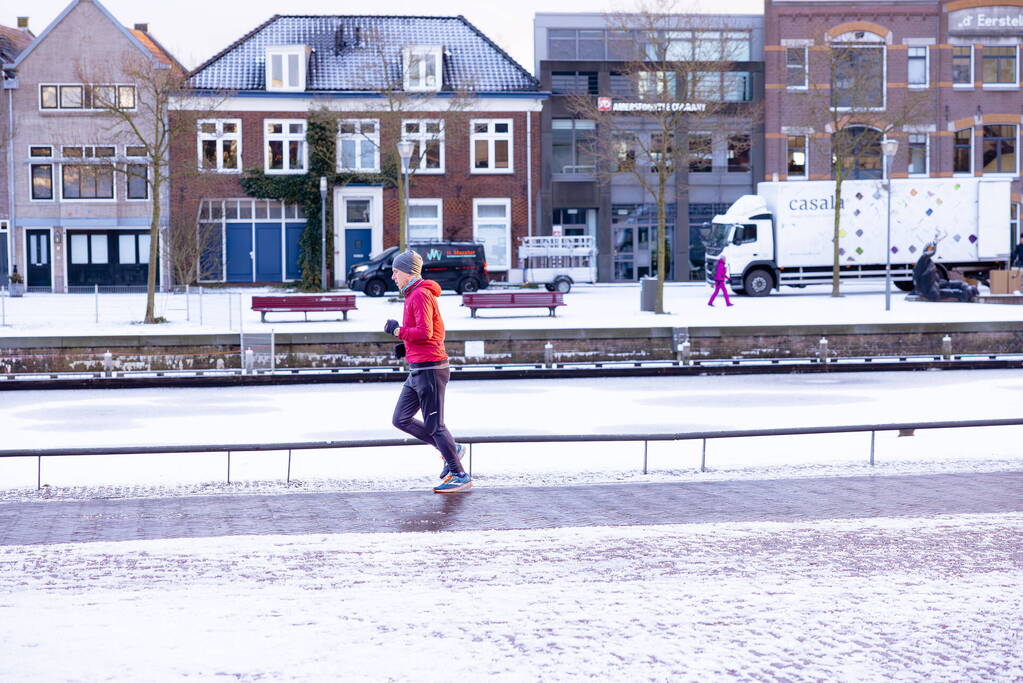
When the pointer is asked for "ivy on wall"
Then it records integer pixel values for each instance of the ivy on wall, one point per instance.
(304, 190)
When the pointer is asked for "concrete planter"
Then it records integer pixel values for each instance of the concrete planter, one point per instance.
(17, 288)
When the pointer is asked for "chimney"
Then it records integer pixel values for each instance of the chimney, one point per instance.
(142, 27)
(23, 23)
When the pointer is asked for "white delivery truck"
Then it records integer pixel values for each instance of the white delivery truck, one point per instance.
(783, 234)
(556, 261)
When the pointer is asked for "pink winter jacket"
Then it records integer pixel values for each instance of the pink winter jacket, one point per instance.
(721, 272)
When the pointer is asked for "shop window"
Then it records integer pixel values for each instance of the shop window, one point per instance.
(739, 153)
(701, 153)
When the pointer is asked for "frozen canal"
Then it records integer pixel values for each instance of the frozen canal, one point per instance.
(886, 590)
(49, 419)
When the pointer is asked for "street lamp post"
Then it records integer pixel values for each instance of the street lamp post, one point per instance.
(323, 233)
(405, 148)
(889, 147)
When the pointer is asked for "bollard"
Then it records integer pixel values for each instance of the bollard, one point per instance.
(548, 354)
(684, 352)
(946, 347)
(108, 363)
(249, 360)
(822, 350)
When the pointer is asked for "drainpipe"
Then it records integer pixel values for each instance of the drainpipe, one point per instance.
(11, 252)
(529, 173)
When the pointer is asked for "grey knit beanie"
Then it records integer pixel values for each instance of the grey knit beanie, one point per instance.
(408, 262)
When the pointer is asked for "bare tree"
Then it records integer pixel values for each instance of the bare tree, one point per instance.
(676, 83)
(136, 98)
(846, 102)
(192, 249)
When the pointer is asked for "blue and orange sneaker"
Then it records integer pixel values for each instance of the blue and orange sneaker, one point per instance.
(459, 449)
(454, 483)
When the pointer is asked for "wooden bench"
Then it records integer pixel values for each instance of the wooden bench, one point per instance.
(549, 300)
(303, 303)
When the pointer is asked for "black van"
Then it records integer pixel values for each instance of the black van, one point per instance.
(460, 266)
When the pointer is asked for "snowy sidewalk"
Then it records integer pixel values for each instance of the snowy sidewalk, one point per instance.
(632, 504)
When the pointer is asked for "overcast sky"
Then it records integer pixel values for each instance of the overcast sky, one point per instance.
(195, 30)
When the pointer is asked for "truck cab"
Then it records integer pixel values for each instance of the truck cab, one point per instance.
(745, 237)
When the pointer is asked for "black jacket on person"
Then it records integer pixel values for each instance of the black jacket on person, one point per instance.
(926, 281)
(1017, 255)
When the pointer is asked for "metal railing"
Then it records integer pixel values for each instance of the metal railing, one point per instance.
(904, 429)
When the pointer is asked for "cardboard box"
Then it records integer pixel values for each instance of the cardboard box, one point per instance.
(1006, 281)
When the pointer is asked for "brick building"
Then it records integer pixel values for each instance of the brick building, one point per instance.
(964, 55)
(471, 111)
(12, 42)
(80, 204)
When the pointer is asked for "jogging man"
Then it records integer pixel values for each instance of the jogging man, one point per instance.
(422, 334)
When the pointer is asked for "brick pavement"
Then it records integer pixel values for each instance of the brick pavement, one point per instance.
(51, 522)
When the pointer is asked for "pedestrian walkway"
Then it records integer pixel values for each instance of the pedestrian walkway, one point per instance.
(511, 508)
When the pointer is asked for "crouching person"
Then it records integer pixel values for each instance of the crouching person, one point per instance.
(929, 284)
(422, 333)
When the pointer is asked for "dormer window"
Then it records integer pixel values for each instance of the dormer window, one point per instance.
(286, 68)
(423, 68)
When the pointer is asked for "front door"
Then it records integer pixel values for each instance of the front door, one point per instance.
(268, 252)
(239, 252)
(39, 267)
(358, 229)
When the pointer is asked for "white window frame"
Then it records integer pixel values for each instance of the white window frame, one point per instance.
(414, 61)
(219, 136)
(419, 139)
(1014, 85)
(927, 155)
(63, 161)
(806, 67)
(476, 220)
(50, 161)
(285, 53)
(360, 138)
(86, 95)
(413, 222)
(491, 137)
(973, 150)
(1002, 174)
(927, 67)
(973, 69)
(285, 137)
(806, 156)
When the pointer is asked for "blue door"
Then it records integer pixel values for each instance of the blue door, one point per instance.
(357, 246)
(292, 234)
(239, 252)
(268, 252)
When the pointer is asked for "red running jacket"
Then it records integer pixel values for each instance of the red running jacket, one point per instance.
(422, 328)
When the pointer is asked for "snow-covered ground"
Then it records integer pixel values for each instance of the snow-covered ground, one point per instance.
(588, 306)
(935, 599)
(274, 414)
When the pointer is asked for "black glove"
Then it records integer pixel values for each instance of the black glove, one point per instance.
(390, 326)
(399, 351)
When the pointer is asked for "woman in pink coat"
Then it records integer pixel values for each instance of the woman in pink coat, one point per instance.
(720, 277)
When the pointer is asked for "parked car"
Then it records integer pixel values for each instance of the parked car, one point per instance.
(460, 266)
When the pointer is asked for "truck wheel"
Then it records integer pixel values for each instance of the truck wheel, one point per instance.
(904, 285)
(758, 282)
(375, 287)
(563, 285)
(469, 284)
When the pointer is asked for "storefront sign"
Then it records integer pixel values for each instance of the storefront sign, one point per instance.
(986, 21)
(608, 104)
